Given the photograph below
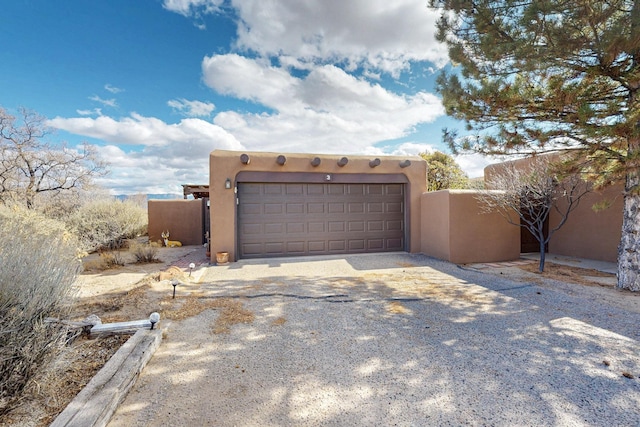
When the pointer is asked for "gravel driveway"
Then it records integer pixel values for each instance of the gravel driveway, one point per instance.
(390, 339)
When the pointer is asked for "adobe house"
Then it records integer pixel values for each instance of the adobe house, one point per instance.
(261, 205)
(283, 204)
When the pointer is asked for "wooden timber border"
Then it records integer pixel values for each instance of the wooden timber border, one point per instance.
(96, 403)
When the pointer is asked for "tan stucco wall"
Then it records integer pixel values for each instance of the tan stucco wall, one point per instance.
(227, 164)
(183, 219)
(455, 229)
(435, 224)
(587, 233)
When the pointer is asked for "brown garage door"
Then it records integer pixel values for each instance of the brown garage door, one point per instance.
(292, 219)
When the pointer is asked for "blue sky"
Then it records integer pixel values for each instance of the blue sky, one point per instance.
(157, 85)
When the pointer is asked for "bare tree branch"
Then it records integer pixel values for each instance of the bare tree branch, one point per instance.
(30, 165)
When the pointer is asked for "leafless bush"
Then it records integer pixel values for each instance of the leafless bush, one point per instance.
(107, 224)
(144, 253)
(39, 266)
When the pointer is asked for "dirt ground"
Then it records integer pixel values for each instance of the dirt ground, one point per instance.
(133, 291)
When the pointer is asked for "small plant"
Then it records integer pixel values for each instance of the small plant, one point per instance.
(144, 253)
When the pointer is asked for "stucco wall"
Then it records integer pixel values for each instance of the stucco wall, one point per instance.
(455, 229)
(587, 233)
(435, 224)
(227, 165)
(183, 219)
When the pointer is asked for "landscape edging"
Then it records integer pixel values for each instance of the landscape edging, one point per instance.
(98, 400)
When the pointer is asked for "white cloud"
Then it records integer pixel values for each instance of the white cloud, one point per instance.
(105, 102)
(150, 132)
(160, 168)
(190, 8)
(382, 34)
(474, 164)
(192, 108)
(113, 89)
(94, 112)
(329, 110)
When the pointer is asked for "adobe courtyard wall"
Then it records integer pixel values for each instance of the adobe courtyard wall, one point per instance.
(589, 233)
(228, 164)
(455, 229)
(183, 218)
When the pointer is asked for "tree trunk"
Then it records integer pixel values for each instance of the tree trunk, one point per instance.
(542, 255)
(629, 248)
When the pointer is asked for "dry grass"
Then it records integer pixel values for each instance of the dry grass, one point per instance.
(52, 390)
(569, 274)
(395, 307)
(232, 311)
(279, 321)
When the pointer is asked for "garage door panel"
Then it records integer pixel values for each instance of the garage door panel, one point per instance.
(317, 227)
(375, 207)
(294, 189)
(315, 208)
(356, 245)
(395, 244)
(315, 189)
(273, 209)
(356, 208)
(276, 248)
(296, 247)
(271, 189)
(336, 226)
(337, 245)
(295, 227)
(252, 249)
(394, 225)
(252, 229)
(393, 207)
(356, 226)
(251, 209)
(375, 244)
(335, 189)
(356, 189)
(317, 246)
(375, 226)
(273, 228)
(336, 207)
(375, 189)
(287, 219)
(295, 208)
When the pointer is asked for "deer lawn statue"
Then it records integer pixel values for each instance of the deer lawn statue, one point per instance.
(170, 243)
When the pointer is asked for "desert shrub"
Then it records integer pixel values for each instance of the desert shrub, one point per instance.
(107, 224)
(144, 253)
(112, 259)
(38, 265)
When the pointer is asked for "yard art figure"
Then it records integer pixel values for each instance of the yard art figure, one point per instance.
(170, 243)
